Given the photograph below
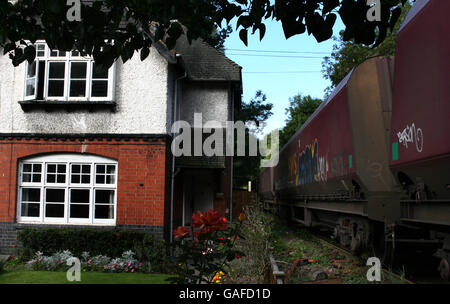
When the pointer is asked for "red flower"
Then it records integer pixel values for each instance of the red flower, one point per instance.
(238, 256)
(118, 234)
(208, 221)
(209, 218)
(181, 232)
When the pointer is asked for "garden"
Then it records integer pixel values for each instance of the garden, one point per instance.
(47, 255)
(211, 250)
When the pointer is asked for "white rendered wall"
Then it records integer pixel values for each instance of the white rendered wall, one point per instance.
(141, 92)
(210, 99)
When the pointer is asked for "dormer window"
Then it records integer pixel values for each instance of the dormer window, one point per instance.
(66, 76)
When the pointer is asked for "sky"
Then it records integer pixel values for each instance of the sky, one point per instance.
(304, 74)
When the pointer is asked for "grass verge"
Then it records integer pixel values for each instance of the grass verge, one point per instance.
(49, 277)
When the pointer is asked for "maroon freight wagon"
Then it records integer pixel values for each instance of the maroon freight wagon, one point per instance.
(373, 162)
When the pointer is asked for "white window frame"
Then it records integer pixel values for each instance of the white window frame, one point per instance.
(36, 77)
(68, 59)
(43, 185)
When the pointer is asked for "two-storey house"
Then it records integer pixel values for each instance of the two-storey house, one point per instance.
(85, 148)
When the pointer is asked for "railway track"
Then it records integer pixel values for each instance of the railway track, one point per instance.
(361, 259)
(417, 268)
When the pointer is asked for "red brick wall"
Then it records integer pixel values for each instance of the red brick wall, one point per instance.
(142, 174)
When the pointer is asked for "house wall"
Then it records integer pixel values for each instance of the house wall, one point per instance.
(209, 98)
(142, 92)
(142, 180)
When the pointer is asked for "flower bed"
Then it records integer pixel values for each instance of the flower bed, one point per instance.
(58, 262)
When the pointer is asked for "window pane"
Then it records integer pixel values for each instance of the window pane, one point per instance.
(75, 179)
(87, 169)
(55, 195)
(26, 178)
(56, 88)
(78, 88)
(100, 179)
(31, 70)
(99, 73)
(61, 168)
(110, 179)
(104, 196)
(79, 211)
(31, 195)
(57, 70)
(86, 179)
(76, 168)
(31, 87)
(61, 179)
(40, 50)
(26, 167)
(99, 88)
(104, 212)
(79, 70)
(37, 178)
(58, 53)
(101, 168)
(37, 168)
(79, 196)
(51, 168)
(54, 210)
(111, 169)
(30, 210)
(51, 178)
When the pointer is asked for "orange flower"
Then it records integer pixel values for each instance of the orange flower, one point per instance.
(181, 232)
(241, 217)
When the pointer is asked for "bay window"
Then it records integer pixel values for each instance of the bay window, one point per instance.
(66, 76)
(67, 189)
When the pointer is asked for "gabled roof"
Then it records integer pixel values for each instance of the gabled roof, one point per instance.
(205, 63)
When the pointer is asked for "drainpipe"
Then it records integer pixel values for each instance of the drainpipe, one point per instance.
(231, 92)
(173, 172)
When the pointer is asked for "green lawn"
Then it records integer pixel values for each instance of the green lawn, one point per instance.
(48, 277)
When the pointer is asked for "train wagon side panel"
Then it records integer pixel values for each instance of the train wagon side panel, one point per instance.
(420, 136)
(421, 101)
(320, 157)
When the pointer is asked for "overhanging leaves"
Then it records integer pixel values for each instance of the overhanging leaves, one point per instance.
(129, 23)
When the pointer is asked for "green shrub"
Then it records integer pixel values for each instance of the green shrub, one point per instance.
(2, 265)
(153, 252)
(95, 241)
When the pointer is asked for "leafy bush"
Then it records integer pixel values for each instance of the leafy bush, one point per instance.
(111, 243)
(255, 245)
(2, 265)
(152, 252)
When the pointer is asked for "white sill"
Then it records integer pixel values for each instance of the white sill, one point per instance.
(66, 224)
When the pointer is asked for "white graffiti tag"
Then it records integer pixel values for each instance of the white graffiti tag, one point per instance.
(411, 135)
(323, 168)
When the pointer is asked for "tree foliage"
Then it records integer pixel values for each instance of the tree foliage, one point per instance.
(348, 54)
(112, 29)
(298, 112)
(257, 110)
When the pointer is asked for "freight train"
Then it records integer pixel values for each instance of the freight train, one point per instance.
(373, 162)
